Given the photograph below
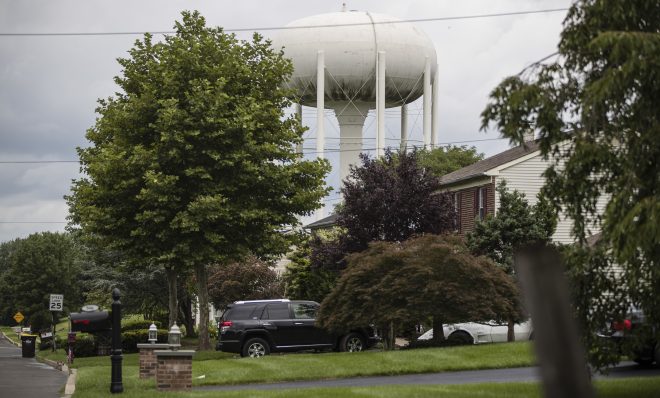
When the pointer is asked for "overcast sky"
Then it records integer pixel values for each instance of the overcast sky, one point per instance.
(49, 84)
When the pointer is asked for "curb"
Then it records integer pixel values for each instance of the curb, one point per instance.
(70, 386)
(9, 339)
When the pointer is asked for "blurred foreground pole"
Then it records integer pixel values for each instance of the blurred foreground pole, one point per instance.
(556, 337)
(116, 385)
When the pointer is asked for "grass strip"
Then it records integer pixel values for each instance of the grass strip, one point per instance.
(645, 387)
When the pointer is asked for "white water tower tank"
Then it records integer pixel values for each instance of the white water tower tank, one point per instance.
(339, 59)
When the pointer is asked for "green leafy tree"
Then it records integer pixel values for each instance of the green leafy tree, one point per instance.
(192, 162)
(516, 224)
(304, 282)
(248, 279)
(444, 160)
(391, 284)
(36, 267)
(388, 199)
(595, 110)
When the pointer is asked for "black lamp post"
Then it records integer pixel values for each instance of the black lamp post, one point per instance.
(116, 385)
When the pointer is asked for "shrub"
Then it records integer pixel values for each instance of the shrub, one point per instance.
(131, 338)
(85, 346)
(138, 324)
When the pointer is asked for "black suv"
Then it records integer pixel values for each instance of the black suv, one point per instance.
(257, 328)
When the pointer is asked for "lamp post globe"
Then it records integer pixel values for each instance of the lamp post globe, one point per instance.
(153, 334)
(174, 338)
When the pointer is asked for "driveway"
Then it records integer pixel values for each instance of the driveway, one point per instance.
(625, 369)
(25, 377)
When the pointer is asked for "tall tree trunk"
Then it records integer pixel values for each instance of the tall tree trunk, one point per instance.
(185, 306)
(438, 331)
(173, 303)
(201, 278)
(510, 332)
(387, 333)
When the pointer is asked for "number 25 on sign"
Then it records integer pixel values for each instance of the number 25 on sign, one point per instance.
(56, 302)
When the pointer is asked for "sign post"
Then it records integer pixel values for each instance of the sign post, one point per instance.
(56, 305)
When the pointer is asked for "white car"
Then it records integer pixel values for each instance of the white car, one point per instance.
(482, 332)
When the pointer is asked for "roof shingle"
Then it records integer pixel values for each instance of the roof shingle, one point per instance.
(479, 168)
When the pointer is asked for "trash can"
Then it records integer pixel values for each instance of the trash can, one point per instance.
(28, 341)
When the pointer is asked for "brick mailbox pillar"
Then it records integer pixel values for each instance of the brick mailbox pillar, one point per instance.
(174, 370)
(148, 362)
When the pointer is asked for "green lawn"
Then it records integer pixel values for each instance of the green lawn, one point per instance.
(638, 387)
(221, 368)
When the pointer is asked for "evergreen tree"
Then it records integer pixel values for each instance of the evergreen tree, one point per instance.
(515, 224)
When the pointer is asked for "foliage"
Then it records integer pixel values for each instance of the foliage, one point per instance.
(392, 283)
(392, 199)
(131, 338)
(388, 199)
(596, 112)
(36, 267)
(86, 345)
(444, 160)
(304, 282)
(139, 324)
(515, 224)
(250, 279)
(192, 162)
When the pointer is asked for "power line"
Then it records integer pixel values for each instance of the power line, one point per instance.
(33, 222)
(331, 150)
(270, 28)
(37, 161)
(536, 63)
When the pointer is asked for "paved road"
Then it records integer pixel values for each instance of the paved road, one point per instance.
(626, 369)
(25, 377)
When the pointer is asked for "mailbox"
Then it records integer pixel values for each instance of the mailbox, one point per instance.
(90, 321)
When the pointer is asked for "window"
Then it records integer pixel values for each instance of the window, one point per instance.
(304, 310)
(240, 312)
(276, 311)
(482, 203)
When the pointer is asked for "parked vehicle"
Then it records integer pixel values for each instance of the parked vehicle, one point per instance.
(619, 331)
(482, 332)
(257, 328)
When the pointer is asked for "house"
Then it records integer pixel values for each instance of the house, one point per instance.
(522, 167)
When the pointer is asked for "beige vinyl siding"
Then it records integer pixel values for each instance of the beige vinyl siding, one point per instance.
(527, 178)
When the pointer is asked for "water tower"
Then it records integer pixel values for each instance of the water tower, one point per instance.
(353, 61)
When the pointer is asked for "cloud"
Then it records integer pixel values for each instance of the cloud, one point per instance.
(49, 85)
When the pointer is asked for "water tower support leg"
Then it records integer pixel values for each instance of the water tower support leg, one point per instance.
(435, 109)
(404, 127)
(299, 146)
(380, 105)
(320, 112)
(320, 103)
(427, 104)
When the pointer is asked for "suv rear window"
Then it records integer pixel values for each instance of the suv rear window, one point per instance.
(304, 310)
(276, 311)
(239, 312)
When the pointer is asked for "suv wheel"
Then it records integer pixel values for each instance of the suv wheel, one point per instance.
(352, 342)
(255, 348)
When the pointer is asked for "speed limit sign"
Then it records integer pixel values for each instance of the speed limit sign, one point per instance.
(56, 302)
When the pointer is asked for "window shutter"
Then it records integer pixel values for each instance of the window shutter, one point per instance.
(476, 201)
(485, 202)
(460, 209)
